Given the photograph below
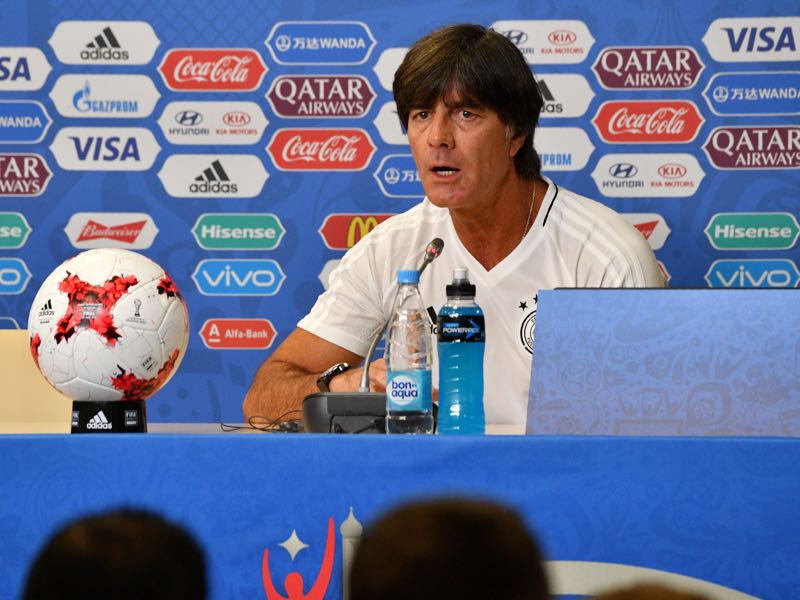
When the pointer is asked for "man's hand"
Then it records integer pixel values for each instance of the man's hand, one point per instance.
(350, 380)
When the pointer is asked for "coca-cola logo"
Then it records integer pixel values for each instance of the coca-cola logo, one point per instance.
(645, 121)
(127, 232)
(321, 149)
(224, 69)
(672, 171)
(327, 96)
(648, 67)
(754, 147)
(562, 37)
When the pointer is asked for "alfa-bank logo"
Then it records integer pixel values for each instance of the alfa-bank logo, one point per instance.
(212, 69)
(23, 175)
(341, 231)
(238, 334)
(23, 121)
(758, 93)
(105, 148)
(668, 175)
(106, 96)
(243, 277)
(212, 123)
(320, 43)
(326, 96)
(548, 42)
(22, 69)
(648, 67)
(321, 149)
(213, 175)
(753, 147)
(652, 226)
(111, 230)
(754, 39)
(563, 148)
(648, 121)
(104, 42)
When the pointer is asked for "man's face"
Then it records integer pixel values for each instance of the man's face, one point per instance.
(463, 153)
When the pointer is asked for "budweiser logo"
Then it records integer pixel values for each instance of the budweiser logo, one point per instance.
(122, 233)
(202, 70)
(648, 121)
(321, 149)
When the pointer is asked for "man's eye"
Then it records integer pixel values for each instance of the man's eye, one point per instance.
(423, 114)
(466, 114)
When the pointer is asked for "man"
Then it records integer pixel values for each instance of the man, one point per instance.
(451, 548)
(470, 104)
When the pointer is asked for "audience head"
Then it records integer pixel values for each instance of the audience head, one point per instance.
(125, 555)
(441, 549)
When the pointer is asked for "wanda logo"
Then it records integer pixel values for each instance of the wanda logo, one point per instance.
(321, 149)
(198, 69)
(644, 121)
(672, 171)
(562, 37)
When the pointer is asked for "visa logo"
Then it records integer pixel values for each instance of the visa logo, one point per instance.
(106, 149)
(12, 71)
(755, 273)
(244, 277)
(760, 39)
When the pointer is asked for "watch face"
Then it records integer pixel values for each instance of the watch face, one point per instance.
(325, 378)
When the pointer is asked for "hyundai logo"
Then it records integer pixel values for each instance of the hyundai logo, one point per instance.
(516, 36)
(623, 170)
(189, 118)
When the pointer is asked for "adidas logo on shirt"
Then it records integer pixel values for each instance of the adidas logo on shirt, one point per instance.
(213, 179)
(104, 46)
(47, 309)
(99, 421)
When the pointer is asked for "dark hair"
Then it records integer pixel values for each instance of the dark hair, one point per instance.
(126, 555)
(442, 549)
(480, 66)
(649, 591)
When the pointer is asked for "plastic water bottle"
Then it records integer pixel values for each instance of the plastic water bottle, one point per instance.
(408, 361)
(460, 343)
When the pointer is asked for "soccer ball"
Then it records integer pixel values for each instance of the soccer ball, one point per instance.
(108, 324)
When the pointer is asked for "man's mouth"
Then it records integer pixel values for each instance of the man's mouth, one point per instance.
(445, 171)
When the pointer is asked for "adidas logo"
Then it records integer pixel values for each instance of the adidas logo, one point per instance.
(99, 421)
(105, 46)
(215, 180)
(47, 309)
(550, 104)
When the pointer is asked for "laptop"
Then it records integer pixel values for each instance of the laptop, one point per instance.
(666, 362)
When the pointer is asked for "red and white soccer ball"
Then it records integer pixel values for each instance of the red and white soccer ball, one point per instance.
(108, 324)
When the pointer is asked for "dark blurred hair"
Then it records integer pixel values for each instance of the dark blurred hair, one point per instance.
(125, 555)
(649, 591)
(442, 549)
(478, 66)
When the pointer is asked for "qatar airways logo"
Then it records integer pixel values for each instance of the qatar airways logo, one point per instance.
(754, 147)
(205, 69)
(648, 67)
(312, 96)
(646, 121)
(321, 149)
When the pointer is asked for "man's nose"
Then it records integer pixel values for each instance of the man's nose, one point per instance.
(440, 133)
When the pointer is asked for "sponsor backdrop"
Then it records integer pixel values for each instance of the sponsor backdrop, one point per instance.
(247, 145)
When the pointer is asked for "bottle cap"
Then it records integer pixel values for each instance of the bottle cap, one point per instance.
(460, 287)
(408, 276)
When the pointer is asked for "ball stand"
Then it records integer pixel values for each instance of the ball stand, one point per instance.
(129, 416)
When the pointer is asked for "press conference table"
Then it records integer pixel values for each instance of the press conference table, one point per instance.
(721, 515)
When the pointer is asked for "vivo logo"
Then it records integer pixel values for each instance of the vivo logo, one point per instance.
(14, 276)
(244, 277)
(779, 273)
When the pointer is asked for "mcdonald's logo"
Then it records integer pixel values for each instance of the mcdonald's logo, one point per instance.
(342, 231)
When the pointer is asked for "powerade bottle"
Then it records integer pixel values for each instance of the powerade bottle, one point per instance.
(408, 361)
(461, 338)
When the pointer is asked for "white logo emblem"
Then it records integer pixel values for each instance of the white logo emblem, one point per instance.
(106, 96)
(388, 124)
(104, 42)
(563, 148)
(213, 175)
(670, 175)
(111, 230)
(105, 148)
(99, 421)
(387, 64)
(751, 39)
(22, 69)
(209, 123)
(564, 95)
(548, 42)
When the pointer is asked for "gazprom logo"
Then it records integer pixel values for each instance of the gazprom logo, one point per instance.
(243, 277)
(755, 273)
(14, 276)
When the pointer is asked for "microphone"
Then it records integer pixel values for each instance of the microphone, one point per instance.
(361, 411)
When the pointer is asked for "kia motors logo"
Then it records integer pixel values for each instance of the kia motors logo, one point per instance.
(320, 42)
(22, 69)
(648, 121)
(321, 149)
(236, 118)
(755, 273)
(754, 147)
(208, 70)
(672, 171)
(397, 176)
(326, 96)
(111, 230)
(104, 42)
(212, 123)
(753, 39)
(342, 231)
(14, 276)
(243, 277)
(238, 334)
(548, 41)
(635, 175)
(106, 96)
(648, 67)
(23, 121)
(23, 175)
(623, 170)
(105, 148)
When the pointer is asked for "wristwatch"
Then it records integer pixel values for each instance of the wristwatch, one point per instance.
(324, 380)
